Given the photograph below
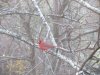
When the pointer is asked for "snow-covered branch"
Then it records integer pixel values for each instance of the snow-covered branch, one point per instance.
(45, 23)
(68, 60)
(84, 3)
(73, 64)
(15, 35)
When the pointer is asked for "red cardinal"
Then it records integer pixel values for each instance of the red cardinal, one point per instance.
(44, 46)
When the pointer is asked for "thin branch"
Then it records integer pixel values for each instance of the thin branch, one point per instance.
(44, 22)
(33, 68)
(4, 58)
(87, 5)
(19, 37)
(49, 63)
(49, 5)
(90, 56)
(80, 35)
(9, 33)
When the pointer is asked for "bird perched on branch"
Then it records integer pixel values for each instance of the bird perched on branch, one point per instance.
(44, 46)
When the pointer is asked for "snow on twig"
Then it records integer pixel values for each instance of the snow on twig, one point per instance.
(15, 35)
(87, 5)
(45, 22)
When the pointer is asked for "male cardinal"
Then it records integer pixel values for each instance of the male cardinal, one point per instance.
(44, 46)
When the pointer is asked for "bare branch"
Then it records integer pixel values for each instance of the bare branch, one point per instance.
(90, 56)
(4, 58)
(68, 60)
(19, 37)
(72, 63)
(45, 22)
(80, 35)
(84, 3)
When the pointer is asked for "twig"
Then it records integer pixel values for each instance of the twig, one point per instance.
(45, 22)
(87, 5)
(64, 58)
(90, 56)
